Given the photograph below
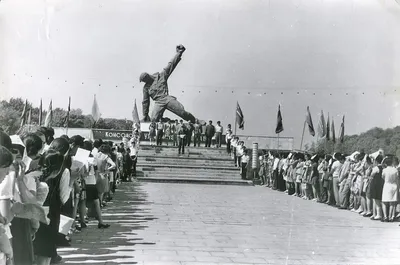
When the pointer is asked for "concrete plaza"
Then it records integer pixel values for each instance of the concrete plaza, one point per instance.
(164, 223)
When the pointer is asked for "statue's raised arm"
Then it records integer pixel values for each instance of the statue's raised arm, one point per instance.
(180, 49)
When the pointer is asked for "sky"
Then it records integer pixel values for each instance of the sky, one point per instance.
(339, 56)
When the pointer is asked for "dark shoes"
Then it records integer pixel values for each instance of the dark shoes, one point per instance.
(103, 226)
(56, 260)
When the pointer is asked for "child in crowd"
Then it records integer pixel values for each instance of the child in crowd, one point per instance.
(245, 158)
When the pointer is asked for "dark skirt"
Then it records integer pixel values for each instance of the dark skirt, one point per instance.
(45, 243)
(376, 188)
(22, 241)
(91, 193)
(314, 181)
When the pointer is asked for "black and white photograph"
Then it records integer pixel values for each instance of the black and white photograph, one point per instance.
(200, 132)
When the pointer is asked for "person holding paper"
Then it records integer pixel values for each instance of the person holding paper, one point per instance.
(104, 165)
(91, 189)
(22, 229)
(53, 168)
(79, 162)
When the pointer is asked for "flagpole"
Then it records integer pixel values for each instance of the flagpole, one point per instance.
(302, 136)
(278, 143)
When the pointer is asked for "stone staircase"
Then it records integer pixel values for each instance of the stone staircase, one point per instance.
(197, 165)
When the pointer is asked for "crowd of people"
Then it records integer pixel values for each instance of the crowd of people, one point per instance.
(365, 184)
(44, 180)
(184, 134)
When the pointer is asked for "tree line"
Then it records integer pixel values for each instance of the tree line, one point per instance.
(368, 142)
(11, 111)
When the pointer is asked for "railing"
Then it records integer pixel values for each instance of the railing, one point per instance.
(268, 142)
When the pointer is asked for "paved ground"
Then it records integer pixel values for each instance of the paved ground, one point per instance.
(183, 224)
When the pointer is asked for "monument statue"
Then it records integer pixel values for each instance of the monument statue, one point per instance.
(156, 88)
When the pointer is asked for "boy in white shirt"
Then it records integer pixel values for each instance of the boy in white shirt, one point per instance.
(244, 162)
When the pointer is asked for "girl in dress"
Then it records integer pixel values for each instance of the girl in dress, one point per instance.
(390, 190)
(105, 165)
(366, 200)
(53, 167)
(376, 188)
(306, 178)
(299, 173)
(6, 251)
(92, 195)
(152, 133)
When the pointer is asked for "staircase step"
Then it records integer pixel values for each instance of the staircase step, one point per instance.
(152, 166)
(183, 157)
(196, 180)
(192, 174)
(184, 163)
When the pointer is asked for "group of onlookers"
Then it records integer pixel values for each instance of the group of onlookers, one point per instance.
(367, 184)
(183, 134)
(238, 152)
(66, 177)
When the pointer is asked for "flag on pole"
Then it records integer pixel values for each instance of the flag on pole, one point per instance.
(24, 112)
(29, 120)
(135, 114)
(239, 117)
(95, 110)
(279, 122)
(328, 129)
(333, 132)
(341, 135)
(321, 125)
(49, 115)
(40, 113)
(309, 122)
(66, 121)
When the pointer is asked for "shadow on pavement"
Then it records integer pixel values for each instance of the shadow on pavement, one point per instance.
(127, 213)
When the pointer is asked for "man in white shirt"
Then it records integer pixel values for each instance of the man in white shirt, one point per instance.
(228, 139)
(218, 134)
(335, 171)
(133, 155)
(245, 160)
(160, 132)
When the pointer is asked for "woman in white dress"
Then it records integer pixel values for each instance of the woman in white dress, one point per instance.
(390, 191)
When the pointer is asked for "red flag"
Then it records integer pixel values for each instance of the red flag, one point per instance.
(328, 129)
(135, 114)
(66, 121)
(279, 122)
(239, 117)
(341, 135)
(333, 132)
(95, 110)
(29, 120)
(321, 125)
(49, 115)
(309, 122)
(23, 115)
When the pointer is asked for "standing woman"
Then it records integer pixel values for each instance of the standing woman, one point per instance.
(366, 190)
(376, 188)
(53, 168)
(152, 133)
(23, 229)
(167, 131)
(314, 180)
(390, 191)
(105, 165)
(91, 189)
